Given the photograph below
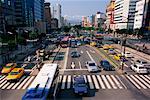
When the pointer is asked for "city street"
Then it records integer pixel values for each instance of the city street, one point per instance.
(74, 49)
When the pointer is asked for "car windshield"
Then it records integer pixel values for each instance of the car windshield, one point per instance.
(91, 64)
(106, 63)
(141, 67)
(14, 73)
(81, 85)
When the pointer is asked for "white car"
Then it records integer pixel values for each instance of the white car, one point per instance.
(91, 66)
(128, 55)
(139, 68)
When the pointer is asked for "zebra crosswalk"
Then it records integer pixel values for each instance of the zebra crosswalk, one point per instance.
(93, 81)
(107, 81)
(23, 83)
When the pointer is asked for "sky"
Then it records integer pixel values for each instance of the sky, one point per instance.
(75, 9)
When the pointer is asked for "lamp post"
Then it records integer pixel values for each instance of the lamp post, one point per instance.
(123, 41)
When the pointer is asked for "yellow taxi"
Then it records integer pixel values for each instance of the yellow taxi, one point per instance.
(110, 47)
(117, 57)
(93, 44)
(106, 47)
(6, 69)
(15, 74)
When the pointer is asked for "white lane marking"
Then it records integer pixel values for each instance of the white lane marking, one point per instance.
(90, 56)
(116, 81)
(15, 86)
(145, 83)
(85, 78)
(66, 59)
(73, 69)
(92, 51)
(100, 82)
(121, 81)
(6, 85)
(63, 82)
(106, 82)
(80, 65)
(22, 83)
(72, 65)
(136, 85)
(110, 80)
(3, 83)
(90, 82)
(9, 87)
(81, 51)
(148, 81)
(69, 82)
(95, 82)
(147, 77)
(29, 81)
(2, 77)
(143, 86)
(2, 80)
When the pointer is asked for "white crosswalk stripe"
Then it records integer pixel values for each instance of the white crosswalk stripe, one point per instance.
(2, 77)
(63, 82)
(90, 82)
(22, 83)
(112, 83)
(100, 82)
(28, 82)
(133, 82)
(95, 82)
(15, 86)
(147, 77)
(69, 82)
(116, 81)
(148, 81)
(9, 87)
(143, 86)
(145, 83)
(106, 82)
(4, 82)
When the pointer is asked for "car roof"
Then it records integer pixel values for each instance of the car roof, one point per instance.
(105, 60)
(9, 64)
(17, 69)
(91, 62)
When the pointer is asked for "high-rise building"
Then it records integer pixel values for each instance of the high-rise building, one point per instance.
(99, 20)
(110, 15)
(57, 14)
(124, 14)
(84, 21)
(28, 12)
(20, 13)
(47, 16)
(7, 14)
(142, 16)
(54, 23)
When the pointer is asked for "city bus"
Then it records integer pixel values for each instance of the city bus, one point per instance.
(64, 42)
(42, 85)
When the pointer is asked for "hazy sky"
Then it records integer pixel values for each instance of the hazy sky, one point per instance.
(74, 9)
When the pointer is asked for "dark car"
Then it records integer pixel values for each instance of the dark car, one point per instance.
(79, 85)
(106, 65)
(75, 54)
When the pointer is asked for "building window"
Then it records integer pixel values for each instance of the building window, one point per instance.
(9, 3)
(2, 1)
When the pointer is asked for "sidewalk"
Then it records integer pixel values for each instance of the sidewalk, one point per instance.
(143, 55)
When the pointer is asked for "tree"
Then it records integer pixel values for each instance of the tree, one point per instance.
(66, 29)
(110, 30)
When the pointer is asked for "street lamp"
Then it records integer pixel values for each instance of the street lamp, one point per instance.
(123, 41)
